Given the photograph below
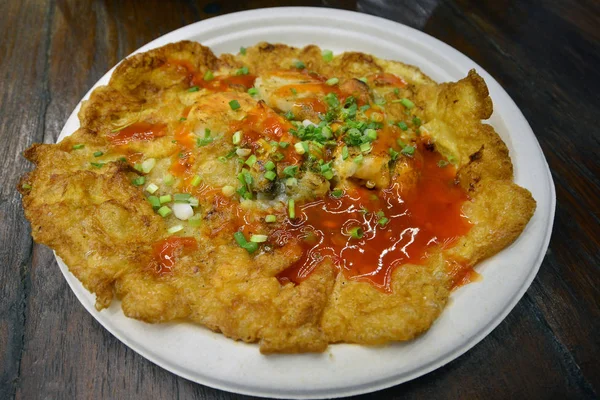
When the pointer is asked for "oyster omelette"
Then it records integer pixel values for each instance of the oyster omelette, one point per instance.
(284, 196)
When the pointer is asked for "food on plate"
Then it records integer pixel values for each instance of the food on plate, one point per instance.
(284, 196)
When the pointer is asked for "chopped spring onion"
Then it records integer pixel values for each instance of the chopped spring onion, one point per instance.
(270, 165)
(393, 154)
(337, 193)
(290, 170)
(154, 201)
(148, 164)
(243, 51)
(290, 182)
(234, 104)
(195, 220)
(358, 159)
(356, 232)
(181, 197)
(277, 156)
(78, 146)
(253, 91)
(405, 102)
(332, 81)
(182, 119)
(194, 201)
(139, 181)
(294, 91)
(383, 221)
(365, 147)
(270, 175)
(408, 150)
(182, 211)
(292, 208)
(371, 134)
(175, 229)
(416, 121)
(327, 55)
(250, 247)
(237, 137)
(251, 160)
(208, 76)
(289, 115)
(228, 190)
(270, 218)
(193, 89)
(97, 165)
(344, 152)
(26, 186)
(402, 125)
(164, 211)
(328, 175)
(242, 71)
(165, 198)
(151, 188)
(299, 65)
(168, 180)
(98, 153)
(363, 79)
(283, 145)
(243, 152)
(258, 238)
(299, 147)
(442, 163)
(195, 180)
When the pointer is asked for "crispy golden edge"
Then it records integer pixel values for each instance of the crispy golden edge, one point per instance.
(484, 170)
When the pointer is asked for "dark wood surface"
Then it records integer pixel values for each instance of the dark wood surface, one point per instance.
(546, 54)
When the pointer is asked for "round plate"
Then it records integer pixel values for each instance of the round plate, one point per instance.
(200, 355)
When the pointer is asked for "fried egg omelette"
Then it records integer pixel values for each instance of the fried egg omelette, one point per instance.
(289, 197)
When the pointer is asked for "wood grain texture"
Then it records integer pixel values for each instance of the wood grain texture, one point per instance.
(544, 53)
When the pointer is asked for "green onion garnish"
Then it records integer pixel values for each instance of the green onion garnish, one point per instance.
(154, 201)
(250, 247)
(228, 190)
(242, 71)
(364, 108)
(344, 152)
(181, 197)
(195, 180)
(258, 238)
(371, 134)
(289, 115)
(363, 79)
(283, 145)
(208, 76)
(356, 232)
(299, 65)
(98, 154)
(337, 193)
(243, 51)
(148, 164)
(251, 160)
(290, 170)
(151, 188)
(290, 182)
(193, 89)
(416, 121)
(327, 55)
(237, 137)
(408, 150)
(182, 119)
(139, 181)
(402, 125)
(175, 229)
(393, 154)
(253, 91)
(277, 156)
(442, 163)
(270, 218)
(383, 221)
(294, 91)
(292, 208)
(234, 104)
(328, 175)
(270, 175)
(269, 165)
(168, 179)
(193, 201)
(78, 146)
(26, 186)
(97, 165)
(164, 211)
(358, 159)
(332, 81)
(195, 220)
(299, 147)
(165, 198)
(365, 147)
(405, 102)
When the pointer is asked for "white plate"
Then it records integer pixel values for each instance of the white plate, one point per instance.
(197, 354)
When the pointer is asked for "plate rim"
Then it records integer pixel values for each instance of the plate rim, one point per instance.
(483, 332)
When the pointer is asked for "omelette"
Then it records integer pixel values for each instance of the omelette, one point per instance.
(283, 196)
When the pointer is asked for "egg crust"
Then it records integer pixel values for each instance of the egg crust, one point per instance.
(81, 202)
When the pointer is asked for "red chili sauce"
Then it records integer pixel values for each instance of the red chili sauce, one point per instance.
(167, 251)
(425, 216)
(138, 131)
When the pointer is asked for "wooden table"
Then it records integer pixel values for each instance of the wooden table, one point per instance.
(546, 54)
